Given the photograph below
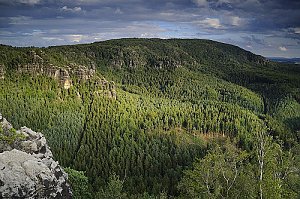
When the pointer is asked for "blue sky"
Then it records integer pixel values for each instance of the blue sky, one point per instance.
(266, 27)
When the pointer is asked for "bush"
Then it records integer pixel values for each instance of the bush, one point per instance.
(79, 184)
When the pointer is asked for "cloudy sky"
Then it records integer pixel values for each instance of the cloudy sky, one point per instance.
(266, 27)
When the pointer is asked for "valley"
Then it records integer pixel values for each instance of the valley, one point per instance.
(154, 116)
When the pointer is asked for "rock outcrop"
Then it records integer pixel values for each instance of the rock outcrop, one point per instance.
(27, 168)
(38, 66)
(133, 58)
(104, 87)
(129, 58)
(64, 78)
(66, 75)
(166, 62)
(82, 73)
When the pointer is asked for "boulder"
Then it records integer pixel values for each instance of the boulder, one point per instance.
(27, 168)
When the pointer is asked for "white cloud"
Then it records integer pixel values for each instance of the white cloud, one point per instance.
(52, 38)
(75, 38)
(118, 11)
(230, 3)
(282, 48)
(75, 9)
(201, 3)
(240, 3)
(20, 20)
(211, 22)
(28, 2)
(297, 30)
(34, 33)
(148, 35)
(223, 1)
(236, 21)
(292, 30)
(87, 1)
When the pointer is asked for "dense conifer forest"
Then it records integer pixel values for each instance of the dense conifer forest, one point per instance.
(177, 118)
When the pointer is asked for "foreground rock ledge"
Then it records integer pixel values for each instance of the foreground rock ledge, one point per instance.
(27, 168)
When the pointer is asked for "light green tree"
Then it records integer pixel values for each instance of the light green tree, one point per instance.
(214, 176)
(113, 190)
(274, 167)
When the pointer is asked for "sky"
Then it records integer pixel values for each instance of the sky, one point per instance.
(267, 27)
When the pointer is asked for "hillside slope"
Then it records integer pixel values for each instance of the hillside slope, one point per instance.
(146, 109)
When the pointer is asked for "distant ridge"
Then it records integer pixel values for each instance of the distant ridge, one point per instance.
(285, 60)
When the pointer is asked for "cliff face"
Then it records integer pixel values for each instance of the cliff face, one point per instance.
(27, 168)
(105, 87)
(37, 66)
(66, 75)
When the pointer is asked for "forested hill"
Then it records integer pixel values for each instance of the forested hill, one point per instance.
(140, 113)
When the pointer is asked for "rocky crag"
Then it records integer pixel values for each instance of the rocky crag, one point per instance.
(65, 75)
(37, 66)
(27, 168)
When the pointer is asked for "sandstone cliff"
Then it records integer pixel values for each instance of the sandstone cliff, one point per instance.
(66, 75)
(27, 168)
(36, 65)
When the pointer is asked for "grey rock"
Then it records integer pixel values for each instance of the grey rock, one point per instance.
(5, 125)
(27, 168)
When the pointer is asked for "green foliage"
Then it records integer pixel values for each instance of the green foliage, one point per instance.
(10, 136)
(227, 172)
(288, 112)
(79, 183)
(274, 167)
(291, 170)
(267, 154)
(216, 175)
(174, 97)
(113, 190)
